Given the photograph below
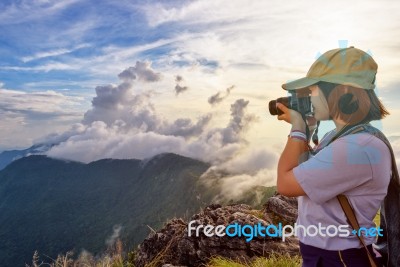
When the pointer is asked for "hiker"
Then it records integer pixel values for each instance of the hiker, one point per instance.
(347, 162)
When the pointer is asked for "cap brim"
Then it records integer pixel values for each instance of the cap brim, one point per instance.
(299, 84)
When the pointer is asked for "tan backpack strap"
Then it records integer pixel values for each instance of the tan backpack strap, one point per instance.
(351, 217)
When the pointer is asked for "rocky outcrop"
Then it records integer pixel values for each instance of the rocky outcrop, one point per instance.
(281, 209)
(172, 245)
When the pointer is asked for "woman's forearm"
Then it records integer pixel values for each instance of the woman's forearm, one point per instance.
(294, 153)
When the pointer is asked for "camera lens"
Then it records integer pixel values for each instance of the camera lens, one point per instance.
(273, 110)
(272, 107)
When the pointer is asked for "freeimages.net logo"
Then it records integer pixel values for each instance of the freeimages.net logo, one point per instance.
(278, 231)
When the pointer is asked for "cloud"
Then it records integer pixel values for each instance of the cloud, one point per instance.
(125, 124)
(179, 88)
(109, 96)
(53, 53)
(49, 66)
(26, 10)
(119, 139)
(38, 105)
(136, 111)
(142, 71)
(211, 43)
(240, 121)
(218, 98)
(249, 168)
(178, 78)
(115, 235)
(250, 162)
(254, 167)
(99, 141)
(118, 104)
(236, 166)
(186, 128)
(158, 14)
(236, 186)
(56, 139)
(25, 116)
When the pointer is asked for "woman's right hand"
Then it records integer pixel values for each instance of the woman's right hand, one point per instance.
(291, 116)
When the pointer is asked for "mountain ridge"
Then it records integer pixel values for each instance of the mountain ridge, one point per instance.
(8, 156)
(48, 204)
(56, 205)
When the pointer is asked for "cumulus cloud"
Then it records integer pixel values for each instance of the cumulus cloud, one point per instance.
(238, 123)
(218, 97)
(113, 103)
(142, 140)
(125, 124)
(55, 138)
(118, 106)
(185, 127)
(141, 71)
(122, 124)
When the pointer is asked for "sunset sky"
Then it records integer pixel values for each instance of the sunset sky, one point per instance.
(128, 79)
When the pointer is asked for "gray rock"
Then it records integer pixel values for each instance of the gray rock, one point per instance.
(282, 209)
(172, 246)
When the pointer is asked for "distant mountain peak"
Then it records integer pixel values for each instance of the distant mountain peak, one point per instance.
(167, 157)
(6, 157)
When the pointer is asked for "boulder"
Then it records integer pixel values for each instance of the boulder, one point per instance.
(172, 244)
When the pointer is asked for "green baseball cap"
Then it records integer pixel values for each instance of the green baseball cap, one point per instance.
(347, 66)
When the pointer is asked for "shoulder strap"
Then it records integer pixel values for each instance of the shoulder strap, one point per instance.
(351, 217)
(346, 207)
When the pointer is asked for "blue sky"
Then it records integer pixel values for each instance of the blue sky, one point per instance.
(58, 56)
(41, 40)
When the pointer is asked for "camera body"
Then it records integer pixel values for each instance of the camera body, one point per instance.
(299, 101)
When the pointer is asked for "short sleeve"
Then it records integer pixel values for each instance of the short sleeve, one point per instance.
(339, 167)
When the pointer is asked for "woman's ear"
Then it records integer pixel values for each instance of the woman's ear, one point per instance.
(347, 105)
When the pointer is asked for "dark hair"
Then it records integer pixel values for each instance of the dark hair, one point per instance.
(352, 104)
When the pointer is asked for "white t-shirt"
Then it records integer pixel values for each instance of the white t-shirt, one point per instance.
(356, 165)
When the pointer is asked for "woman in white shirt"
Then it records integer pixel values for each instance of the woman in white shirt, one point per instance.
(341, 84)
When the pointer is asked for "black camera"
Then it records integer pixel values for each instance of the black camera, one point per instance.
(299, 101)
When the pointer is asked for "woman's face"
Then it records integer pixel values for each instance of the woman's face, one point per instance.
(319, 103)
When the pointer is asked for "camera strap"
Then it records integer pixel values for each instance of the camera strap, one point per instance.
(314, 137)
(342, 132)
(308, 133)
